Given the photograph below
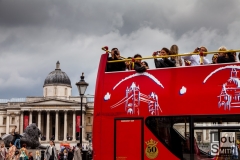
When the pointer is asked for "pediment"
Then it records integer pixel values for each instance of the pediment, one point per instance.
(50, 102)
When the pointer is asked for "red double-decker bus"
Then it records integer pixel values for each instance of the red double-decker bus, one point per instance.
(175, 113)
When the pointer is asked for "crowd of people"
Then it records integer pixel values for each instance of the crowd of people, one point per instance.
(134, 63)
(51, 153)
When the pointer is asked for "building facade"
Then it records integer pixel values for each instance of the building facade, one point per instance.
(56, 113)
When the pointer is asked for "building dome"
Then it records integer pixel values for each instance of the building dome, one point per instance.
(57, 77)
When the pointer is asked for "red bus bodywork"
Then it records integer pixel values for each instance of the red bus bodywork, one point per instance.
(123, 100)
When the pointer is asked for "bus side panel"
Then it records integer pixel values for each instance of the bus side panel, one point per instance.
(97, 121)
(128, 141)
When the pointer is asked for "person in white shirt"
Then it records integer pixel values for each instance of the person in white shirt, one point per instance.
(195, 59)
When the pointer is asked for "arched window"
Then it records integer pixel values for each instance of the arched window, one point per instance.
(45, 92)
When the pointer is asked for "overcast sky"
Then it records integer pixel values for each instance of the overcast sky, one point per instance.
(34, 35)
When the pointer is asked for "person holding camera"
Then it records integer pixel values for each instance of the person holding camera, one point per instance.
(164, 62)
(138, 67)
(129, 64)
(225, 57)
(195, 59)
(116, 66)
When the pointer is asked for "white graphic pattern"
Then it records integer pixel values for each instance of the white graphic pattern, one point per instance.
(140, 74)
(230, 94)
(134, 97)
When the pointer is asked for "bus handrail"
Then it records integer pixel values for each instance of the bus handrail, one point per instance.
(176, 55)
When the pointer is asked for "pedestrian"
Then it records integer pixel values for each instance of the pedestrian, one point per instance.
(3, 152)
(11, 152)
(23, 152)
(38, 156)
(77, 152)
(65, 154)
(70, 154)
(51, 152)
(30, 156)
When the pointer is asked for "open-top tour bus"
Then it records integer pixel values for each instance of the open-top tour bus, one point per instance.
(165, 113)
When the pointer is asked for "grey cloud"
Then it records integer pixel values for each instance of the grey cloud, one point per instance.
(36, 34)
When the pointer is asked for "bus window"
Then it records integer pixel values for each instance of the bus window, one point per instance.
(213, 136)
(165, 129)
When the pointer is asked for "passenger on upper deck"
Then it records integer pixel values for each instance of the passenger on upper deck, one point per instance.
(145, 64)
(195, 59)
(117, 66)
(138, 65)
(214, 58)
(225, 57)
(128, 64)
(234, 54)
(164, 62)
(174, 51)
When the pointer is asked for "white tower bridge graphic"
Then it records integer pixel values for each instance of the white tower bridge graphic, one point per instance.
(134, 97)
(230, 94)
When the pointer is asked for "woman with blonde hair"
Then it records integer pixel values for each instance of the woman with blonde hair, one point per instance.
(38, 157)
(225, 57)
(174, 51)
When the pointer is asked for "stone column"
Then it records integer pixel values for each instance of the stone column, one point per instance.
(47, 129)
(30, 118)
(56, 126)
(7, 124)
(39, 120)
(204, 134)
(74, 126)
(65, 126)
(21, 122)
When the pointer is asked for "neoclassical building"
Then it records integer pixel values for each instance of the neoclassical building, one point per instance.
(56, 113)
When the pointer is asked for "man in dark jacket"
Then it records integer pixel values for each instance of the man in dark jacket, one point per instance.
(138, 65)
(164, 62)
(116, 66)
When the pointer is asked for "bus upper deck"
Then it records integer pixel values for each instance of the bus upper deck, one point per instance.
(136, 115)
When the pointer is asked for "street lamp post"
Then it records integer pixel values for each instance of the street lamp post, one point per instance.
(82, 87)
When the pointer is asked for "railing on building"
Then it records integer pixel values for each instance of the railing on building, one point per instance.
(90, 99)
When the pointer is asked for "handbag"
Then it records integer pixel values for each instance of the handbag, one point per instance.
(16, 152)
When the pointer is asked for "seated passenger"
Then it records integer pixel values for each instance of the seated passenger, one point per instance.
(117, 66)
(225, 57)
(174, 51)
(128, 64)
(234, 54)
(138, 65)
(214, 58)
(195, 59)
(145, 64)
(164, 62)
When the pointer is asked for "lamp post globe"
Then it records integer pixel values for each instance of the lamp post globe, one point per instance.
(82, 87)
